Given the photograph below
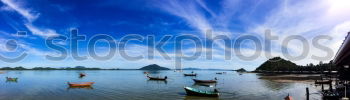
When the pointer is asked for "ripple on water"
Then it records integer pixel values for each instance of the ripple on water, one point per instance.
(133, 84)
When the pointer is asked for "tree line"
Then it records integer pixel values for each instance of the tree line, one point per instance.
(279, 64)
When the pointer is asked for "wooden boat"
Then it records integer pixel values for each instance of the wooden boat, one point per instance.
(82, 84)
(82, 74)
(157, 78)
(195, 92)
(11, 79)
(205, 81)
(288, 97)
(192, 74)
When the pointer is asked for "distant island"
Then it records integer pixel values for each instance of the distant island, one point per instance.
(154, 67)
(241, 70)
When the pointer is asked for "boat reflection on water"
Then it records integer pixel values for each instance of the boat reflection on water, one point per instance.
(205, 84)
(153, 72)
(11, 81)
(81, 77)
(200, 98)
(157, 81)
(86, 88)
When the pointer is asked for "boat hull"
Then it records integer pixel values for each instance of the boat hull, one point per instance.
(190, 92)
(190, 74)
(156, 78)
(11, 79)
(204, 81)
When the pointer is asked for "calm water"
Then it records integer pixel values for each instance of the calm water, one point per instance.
(133, 85)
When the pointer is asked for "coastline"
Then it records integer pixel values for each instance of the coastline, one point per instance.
(290, 77)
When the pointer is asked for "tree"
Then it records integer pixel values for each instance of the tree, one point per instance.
(277, 64)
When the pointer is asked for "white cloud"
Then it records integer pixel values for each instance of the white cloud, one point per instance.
(14, 4)
(307, 21)
(188, 11)
(23, 47)
(305, 18)
(30, 16)
(41, 32)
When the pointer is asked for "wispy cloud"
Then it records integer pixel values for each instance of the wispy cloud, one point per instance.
(14, 5)
(41, 32)
(29, 16)
(225, 17)
(308, 21)
(23, 46)
(286, 19)
(187, 10)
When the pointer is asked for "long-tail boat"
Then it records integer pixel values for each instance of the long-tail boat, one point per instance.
(191, 74)
(11, 79)
(82, 75)
(195, 92)
(157, 78)
(205, 81)
(288, 97)
(81, 84)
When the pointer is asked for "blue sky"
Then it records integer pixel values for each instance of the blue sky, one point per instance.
(233, 18)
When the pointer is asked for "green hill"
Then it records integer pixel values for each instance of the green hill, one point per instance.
(154, 67)
(241, 70)
(277, 64)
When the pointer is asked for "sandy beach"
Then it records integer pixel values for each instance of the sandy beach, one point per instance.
(290, 77)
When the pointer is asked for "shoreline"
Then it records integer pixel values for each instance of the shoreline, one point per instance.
(290, 77)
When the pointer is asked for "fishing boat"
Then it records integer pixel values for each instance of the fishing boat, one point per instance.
(11, 79)
(191, 74)
(195, 92)
(157, 78)
(205, 81)
(288, 97)
(81, 84)
(82, 74)
(219, 73)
